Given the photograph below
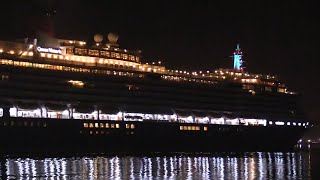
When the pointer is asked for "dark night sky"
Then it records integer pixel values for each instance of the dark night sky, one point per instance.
(278, 38)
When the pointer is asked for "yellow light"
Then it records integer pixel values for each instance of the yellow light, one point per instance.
(24, 53)
(76, 83)
(42, 54)
(11, 52)
(30, 53)
(1, 50)
(92, 60)
(100, 61)
(60, 57)
(55, 56)
(49, 55)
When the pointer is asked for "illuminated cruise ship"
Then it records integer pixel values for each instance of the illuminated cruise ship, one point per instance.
(71, 96)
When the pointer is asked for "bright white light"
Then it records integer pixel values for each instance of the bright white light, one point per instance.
(288, 123)
(279, 123)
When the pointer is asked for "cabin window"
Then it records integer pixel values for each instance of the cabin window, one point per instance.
(205, 128)
(85, 125)
(267, 88)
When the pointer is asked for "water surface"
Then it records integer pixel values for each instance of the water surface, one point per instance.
(258, 165)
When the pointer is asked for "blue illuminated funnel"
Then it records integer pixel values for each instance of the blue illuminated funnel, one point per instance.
(237, 59)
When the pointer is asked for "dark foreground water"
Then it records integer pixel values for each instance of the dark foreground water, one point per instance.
(296, 165)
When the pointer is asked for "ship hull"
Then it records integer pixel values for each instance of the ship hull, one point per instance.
(23, 135)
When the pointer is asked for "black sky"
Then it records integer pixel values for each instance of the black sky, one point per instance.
(279, 38)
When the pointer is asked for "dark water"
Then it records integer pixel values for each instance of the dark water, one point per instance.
(297, 165)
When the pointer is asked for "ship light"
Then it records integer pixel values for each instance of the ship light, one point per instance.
(60, 57)
(279, 123)
(299, 124)
(42, 54)
(270, 122)
(288, 123)
(1, 50)
(92, 60)
(55, 56)
(30, 54)
(76, 83)
(49, 55)
(100, 61)
(11, 52)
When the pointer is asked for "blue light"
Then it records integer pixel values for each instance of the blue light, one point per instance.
(237, 58)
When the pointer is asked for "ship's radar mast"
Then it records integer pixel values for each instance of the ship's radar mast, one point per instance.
(237, 59)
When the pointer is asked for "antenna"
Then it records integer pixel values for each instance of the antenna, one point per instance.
(237, 58)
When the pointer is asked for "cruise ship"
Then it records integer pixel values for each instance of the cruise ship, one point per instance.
(68, 96)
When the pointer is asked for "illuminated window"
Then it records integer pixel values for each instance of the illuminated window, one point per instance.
(107, 125)
(97, 132)
(132, 126)
(85, 125)
(127, 126)
(125, 56)
(197, 128)
(246, 86)
(91, 125)
(193, 128)
(117, 126)
(44, 124)
(92, 52)
(96, 125)
(189, 128)
(101, 125)
(105, 53)
(112, 125)
(205, 128)
(267, 88)
(281, 90)
(181, 128)
(69, 50)
(76, 83)
(113, 54)
(117, 55)
(80, 51)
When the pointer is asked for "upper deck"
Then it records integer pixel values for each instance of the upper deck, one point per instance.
(109, 59)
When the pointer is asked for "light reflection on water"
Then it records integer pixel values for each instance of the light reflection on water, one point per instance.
(218, 166)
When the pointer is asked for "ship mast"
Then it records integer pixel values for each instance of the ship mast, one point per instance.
(237, 59)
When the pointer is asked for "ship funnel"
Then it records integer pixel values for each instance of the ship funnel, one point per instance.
(237, 59)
